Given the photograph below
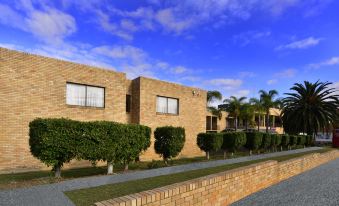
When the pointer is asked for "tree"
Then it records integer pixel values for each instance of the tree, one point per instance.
(211, 97)
(247, 113)
(209, 142)
(268, 101)
(311, 107)
(233, 107)
(258, 108)
(169, 141)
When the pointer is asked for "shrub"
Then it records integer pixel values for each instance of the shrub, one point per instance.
(301, 140)
(293, 140)
(276, 141)
(53, 141)
(253, 140)
(209, 142)
(154, 164)
(266, 140)
(169, 141)
(133, 141)
(232, 141)
(285, 140)
(309, 140)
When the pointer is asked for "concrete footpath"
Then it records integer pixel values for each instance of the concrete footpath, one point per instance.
(52, 194)
(316, 187)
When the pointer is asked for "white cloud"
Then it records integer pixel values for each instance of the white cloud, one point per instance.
(272, 81)
(241, 93)
(47, 24)
(227, 84)
(179, 69)
(335, 86)
(287, 73)
(121, 52)
(301, 44)
(330, 62)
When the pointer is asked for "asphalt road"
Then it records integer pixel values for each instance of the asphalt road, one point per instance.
(316, 187)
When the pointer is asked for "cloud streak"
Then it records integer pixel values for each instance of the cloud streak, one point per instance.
(300, 44)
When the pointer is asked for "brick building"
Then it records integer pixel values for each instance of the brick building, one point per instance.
(33, 86)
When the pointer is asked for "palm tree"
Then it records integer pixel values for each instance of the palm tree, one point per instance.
(211, 97)
(267, 100)
(233, 107)
(258, 107)
(247, 113)
(310, 108)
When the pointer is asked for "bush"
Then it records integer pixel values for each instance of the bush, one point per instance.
(209, 142)
(253, 140)
(285, 140)
(293, 140)
(169, 141)
(53, 141)
(57, 141)
(154, 164)
(301, 140)
(309, 140)
(266, 140)
(232, 141)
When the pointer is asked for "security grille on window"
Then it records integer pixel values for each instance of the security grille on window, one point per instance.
(167, 105)
(84, 95)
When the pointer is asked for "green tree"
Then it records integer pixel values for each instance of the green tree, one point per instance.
(209, 142)
(310, 107)
(233, 107)
(247, 113)
(258, 108)
(211, 97)
(268, 101)
(169, 141)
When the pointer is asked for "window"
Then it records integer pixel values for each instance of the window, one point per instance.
(167, 105)
(128, 102)
(84, 95)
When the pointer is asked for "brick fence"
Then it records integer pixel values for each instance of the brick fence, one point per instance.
(226, 187)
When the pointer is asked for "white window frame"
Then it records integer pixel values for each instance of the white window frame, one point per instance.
(86, 86)
(167, 98)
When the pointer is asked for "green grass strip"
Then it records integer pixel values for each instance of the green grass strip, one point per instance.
(96, 194)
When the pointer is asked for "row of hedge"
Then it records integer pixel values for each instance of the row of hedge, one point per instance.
(58, 141)
(232, 141)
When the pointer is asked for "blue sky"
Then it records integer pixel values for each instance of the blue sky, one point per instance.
(235, 46)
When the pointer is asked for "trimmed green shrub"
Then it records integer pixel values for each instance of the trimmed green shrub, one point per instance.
(301, 140)
(209, 142)
(293, 140)
(57, 141)
(275, 141)
(53, 141)
(253, 140)
(309, 140)
(169, 141)
(133, 141)
(266, 141)
(232, 141)
(285, 140)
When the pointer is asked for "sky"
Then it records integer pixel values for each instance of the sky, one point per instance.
(235, 46)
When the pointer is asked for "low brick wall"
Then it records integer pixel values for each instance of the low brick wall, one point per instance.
(226, 187)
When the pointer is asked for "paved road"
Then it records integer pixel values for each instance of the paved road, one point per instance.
(52, 194)
(316, 187)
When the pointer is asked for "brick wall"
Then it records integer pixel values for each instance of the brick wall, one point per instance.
(33, 86)
(226, 187)
(192, 110)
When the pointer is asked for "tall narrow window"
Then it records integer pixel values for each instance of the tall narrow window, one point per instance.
(167, 105)
(84, 95)
(128, 102)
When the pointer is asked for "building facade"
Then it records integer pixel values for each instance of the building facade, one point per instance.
(224, 121)
(33, 86)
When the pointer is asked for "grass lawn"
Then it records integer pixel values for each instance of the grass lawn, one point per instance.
(27, 179)
(91, 195)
